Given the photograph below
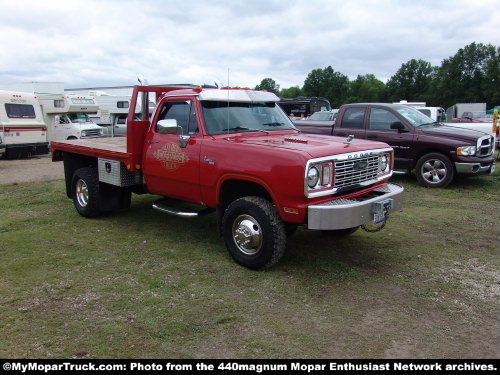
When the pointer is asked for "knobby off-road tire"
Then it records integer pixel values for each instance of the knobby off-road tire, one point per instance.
(85, 192)
(434, 170)
(254, 233)
(340, 232)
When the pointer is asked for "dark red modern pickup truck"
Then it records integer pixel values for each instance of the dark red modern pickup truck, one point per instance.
(233, 151)
(436, 152)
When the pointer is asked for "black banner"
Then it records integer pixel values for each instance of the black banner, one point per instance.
(256, 366)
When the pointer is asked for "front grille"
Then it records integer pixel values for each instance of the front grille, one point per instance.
(91, 133)
(348, 173)
(485, 147)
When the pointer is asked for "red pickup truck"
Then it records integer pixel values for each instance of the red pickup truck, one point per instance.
(235, 152)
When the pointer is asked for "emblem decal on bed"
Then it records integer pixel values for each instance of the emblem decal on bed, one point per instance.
(171, 156)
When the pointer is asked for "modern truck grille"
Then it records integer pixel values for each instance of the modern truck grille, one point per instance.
(91, 133)
(485, 146)
(354, 171)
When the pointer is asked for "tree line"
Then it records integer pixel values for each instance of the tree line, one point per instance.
(470, 75)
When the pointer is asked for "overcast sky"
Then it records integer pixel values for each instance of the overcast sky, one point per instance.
(100, 43)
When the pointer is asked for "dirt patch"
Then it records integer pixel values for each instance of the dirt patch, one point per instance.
(40, 168)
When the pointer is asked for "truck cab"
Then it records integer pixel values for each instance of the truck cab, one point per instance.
(236, 153)
(68, 116)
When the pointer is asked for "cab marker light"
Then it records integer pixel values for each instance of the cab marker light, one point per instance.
(289, 210)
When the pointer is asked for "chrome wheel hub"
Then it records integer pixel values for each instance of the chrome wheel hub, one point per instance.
(247, 234)
(82, 193)
(434, 171)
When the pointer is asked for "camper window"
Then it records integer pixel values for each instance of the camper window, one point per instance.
(59, 103)
(20, 110)
(122, 104)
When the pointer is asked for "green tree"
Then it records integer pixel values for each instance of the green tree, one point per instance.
(268, 84)
(366, 88)
(468, 76)
(411, 82)
(329, 84)
(291, 92)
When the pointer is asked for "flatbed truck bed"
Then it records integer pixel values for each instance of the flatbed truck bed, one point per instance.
(111, 148)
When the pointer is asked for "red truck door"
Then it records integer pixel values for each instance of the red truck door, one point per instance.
(169, 169)
(351, 122)
(379, 129)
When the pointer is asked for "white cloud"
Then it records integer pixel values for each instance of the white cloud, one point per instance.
(90, 43)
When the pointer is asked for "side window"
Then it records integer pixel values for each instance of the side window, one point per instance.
(122, 104)
(184, 113)
(381, 119)
(353, 118)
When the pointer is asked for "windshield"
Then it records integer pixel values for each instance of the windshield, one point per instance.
(415, 117)
(321, 116)
(235, 117)
(79, 117)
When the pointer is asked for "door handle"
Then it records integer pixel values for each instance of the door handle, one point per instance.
(153, 142)
(371, 136)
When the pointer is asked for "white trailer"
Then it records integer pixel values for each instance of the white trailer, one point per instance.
(67, 116)
(457, 110)
(23, 131)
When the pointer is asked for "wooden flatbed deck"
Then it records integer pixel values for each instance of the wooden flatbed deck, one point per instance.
(111, 148)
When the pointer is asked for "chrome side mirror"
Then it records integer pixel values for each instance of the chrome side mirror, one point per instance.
(168, 127)
(183, 140)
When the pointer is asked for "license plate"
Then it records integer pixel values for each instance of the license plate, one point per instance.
(380, 209)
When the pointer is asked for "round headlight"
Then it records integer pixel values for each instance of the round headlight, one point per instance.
(383, 163)
(312, 177)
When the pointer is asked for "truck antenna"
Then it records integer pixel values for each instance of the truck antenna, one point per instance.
(227, 100)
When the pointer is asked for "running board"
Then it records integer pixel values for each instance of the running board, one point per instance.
(159, 206)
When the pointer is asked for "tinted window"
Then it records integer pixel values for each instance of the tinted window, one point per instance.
(184, 113)
(59, 103)
(353, 118)
(122, 120)
(381, 119)
(122, 104)
(20, 110)
(236, 117)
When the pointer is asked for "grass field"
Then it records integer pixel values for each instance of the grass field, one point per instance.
(142, 284)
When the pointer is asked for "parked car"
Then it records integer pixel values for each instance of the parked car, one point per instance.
(233, 151)
(436, 152)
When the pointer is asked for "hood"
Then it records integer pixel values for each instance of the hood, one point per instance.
(314, 145)
(453, 132)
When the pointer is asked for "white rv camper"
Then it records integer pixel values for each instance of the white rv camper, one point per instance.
(67, 116)
(112, 114)
(23, 131)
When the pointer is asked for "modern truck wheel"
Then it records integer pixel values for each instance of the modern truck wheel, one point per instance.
(434, 170)
(254, 233)
(85, 192)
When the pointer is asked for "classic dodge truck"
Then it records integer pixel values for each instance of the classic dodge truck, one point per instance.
(233, 151)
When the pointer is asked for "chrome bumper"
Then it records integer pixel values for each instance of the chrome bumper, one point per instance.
(349, 213)
(473, 168)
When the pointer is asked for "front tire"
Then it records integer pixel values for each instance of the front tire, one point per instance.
(254, 233)
(85, 192)
(434, 170)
